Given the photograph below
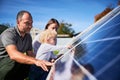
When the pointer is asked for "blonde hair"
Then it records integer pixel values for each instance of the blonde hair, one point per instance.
(47, 34)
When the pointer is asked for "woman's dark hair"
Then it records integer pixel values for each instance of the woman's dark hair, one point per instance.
(51, 21)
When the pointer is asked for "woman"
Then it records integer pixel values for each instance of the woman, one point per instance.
(52, 24)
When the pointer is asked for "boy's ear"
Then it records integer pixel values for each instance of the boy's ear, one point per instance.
(46, 40)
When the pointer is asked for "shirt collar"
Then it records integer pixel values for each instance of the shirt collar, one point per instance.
(16, 28)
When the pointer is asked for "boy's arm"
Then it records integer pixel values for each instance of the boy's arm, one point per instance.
(54, 47)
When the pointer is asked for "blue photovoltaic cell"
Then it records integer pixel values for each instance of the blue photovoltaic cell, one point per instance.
(103, 51)
(96, 53)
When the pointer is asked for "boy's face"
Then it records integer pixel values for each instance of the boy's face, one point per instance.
(52, 41)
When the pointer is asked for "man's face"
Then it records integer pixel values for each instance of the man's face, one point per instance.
(25, 23)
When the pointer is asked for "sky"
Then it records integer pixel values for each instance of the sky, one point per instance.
(79, 13)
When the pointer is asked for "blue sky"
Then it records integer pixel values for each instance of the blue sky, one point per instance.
(80, 13)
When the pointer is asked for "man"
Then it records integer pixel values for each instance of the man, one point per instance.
(16, 50)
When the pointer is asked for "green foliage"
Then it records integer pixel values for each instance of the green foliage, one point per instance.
(4, 26)
(65, 28)
(55, 52)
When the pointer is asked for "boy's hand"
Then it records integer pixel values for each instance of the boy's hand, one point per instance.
(52, 60)
(69, 46)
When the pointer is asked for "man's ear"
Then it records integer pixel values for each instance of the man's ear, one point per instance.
(17, 21)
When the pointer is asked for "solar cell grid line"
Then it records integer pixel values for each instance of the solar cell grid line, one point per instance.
(99, 53)
(86, 72)
(107, 28)
(108, 65)
(89, 35)
(98, 28)
(98, 41)
(79, 43)
(105, 39)
(102, 21)
(113, 51)
(108, 21)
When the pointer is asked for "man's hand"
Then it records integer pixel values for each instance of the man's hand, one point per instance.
(43, 64)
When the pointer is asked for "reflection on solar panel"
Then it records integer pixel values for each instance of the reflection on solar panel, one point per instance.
(96, 54)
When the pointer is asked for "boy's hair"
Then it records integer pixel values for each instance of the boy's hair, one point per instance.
(47, 34)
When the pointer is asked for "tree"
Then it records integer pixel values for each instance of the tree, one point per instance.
(102, 14)
(106, 11)
(4, 26)
(65, 28)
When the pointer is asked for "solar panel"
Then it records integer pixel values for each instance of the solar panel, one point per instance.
(95, 54)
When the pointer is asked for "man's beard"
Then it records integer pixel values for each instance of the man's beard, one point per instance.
(26, 31)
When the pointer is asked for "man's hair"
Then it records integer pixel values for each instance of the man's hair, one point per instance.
(21, 13)
(47, 34)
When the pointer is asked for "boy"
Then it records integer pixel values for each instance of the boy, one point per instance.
(45, 52)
